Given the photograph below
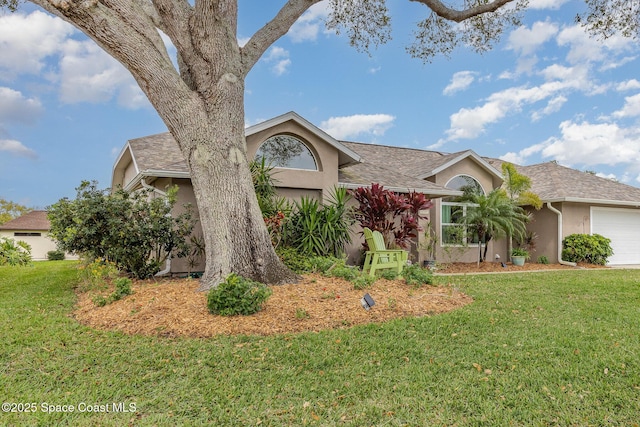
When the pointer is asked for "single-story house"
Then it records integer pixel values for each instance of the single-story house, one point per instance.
(314, 162)
(32, 228)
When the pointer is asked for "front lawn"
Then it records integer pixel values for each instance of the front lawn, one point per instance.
(536, 349)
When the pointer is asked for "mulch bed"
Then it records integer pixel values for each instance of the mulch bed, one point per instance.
(174, 307)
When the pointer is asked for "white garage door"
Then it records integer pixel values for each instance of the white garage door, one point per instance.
(622, 226)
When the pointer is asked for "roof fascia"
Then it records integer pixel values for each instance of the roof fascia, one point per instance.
(153, 173)
(440, 193)
(126, 147)
(291, 115)
(628, 203)
(468, 153)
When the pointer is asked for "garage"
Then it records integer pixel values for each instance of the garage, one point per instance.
(622, 226)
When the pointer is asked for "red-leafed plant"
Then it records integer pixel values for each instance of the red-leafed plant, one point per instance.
(394, 215)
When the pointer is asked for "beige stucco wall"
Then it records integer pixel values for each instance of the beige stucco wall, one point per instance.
(544, 224)
(449, 253)
(324, 179)
(40, 245)
(129, 173)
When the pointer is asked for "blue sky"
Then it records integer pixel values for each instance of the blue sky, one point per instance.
(545, 92)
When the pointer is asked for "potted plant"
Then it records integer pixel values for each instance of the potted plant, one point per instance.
(428, 245)
(518, 256)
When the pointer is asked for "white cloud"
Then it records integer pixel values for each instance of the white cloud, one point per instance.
(15, 107)
(88, 74)
(357, 124)
(585, 49)
(594, 144)
(307, 27)
(631, 107)
(15, 147)
(520, 158)
(553, 106)
(469, 123)
(526, 41)
(632, 84)
(460, 81)
(374, 70)
(279, 60)
(546, 4)
(27, 40)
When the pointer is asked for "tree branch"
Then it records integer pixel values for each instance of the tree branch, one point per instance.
(272, 31)
(460, 15)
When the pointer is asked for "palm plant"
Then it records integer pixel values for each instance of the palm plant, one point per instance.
(493, 215)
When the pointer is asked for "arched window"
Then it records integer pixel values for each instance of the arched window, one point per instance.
(453, 229)
(462, 182)
(286, 151)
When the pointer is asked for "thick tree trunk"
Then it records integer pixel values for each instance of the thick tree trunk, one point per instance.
(235, 235)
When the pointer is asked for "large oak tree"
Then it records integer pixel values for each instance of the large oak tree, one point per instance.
(202, 102)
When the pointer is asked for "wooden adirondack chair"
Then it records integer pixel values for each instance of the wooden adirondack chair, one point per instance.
(378, 257)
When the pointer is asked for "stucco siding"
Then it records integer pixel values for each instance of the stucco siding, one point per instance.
(324, 179)
(545, 225)
(467, 167)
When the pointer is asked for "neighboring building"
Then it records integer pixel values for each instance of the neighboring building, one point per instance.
(575, 201)
(32, 228)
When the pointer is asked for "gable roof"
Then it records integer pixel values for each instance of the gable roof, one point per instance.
(34, 220)
(392, 167)
(345, 155)
(557, 183)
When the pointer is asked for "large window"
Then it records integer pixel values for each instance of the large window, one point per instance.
(286, 151)
(453, 230)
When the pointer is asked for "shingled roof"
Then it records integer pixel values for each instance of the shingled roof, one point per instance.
(403, 169)
(34, 220)
(158, 152)
(557, 183)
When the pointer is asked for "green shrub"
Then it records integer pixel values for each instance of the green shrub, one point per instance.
(363, 281)
(97, 273)
(417, 276)
(389, 274)
(55, 255)
(237, 295)
(294, 259)
(590, 248)
(317, 229)
(323, 264)
(134, 230)
(14, 252)
(123, 288)
(542, 259)
(342, 270)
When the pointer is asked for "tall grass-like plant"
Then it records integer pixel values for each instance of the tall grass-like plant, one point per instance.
(316, 229)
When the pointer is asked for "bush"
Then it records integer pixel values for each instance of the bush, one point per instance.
(542, 259)
(292, 258)
(416, 276)
(55, 255)
(123, 288)
(134, 230)
(14, 252)
(589, 248)
(363, 281)
(97, 273)
(237, 295)
(316, 229)
(389, 274)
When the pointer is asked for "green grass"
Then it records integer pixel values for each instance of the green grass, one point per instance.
(537, 349)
